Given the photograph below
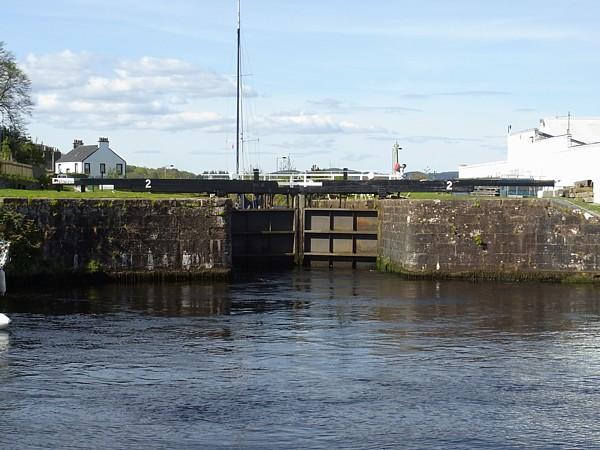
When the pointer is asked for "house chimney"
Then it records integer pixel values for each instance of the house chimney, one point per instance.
(103, 142)
(77, 143)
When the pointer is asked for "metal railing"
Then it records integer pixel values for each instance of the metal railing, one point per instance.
(307, 178)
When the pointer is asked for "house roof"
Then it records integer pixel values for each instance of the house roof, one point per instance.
(80, 153)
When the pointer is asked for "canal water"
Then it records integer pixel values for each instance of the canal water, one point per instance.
(302, 359)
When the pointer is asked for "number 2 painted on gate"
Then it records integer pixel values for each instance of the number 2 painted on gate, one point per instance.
(148, 184)
(448, 185)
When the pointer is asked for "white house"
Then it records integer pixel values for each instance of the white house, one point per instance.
(96, 161)
(563, 149)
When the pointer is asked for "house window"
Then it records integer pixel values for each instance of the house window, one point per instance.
(59, 170)
(76, 168)
(102, 168)
(86, 168)
(119, 169)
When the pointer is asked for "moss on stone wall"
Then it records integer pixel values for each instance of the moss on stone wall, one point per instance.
(497, 239)
(131, 238)
(25, 238)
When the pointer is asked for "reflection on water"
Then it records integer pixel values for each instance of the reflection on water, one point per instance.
(315, 359)
(4, 346)
(4, 341)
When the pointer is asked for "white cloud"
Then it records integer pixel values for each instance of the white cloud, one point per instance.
(61, 70)
(148, 65)
(338, 106)
(303, 143)
(80, 89)
(71, 90)
(127, 115)
(327, 103)
(438, 139)
(185, 120)
(301, 123)
(427, 139)
(160, 77)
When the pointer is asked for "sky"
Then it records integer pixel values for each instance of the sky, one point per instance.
(332, 83)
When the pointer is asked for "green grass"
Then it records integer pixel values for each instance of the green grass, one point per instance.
(21, 193)
(450, 196)
(590, 206)
(430, 195)
(444, 196)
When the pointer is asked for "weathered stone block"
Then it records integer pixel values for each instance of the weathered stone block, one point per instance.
(128, 235)
(515, 237)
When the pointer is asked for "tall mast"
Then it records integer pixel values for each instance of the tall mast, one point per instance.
(237, 133)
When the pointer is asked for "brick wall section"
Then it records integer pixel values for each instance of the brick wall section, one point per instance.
(129, 235)
(508, 238)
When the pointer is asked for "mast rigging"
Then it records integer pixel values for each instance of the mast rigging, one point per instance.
(237, 134)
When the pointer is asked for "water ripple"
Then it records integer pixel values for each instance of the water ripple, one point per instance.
(304, 359)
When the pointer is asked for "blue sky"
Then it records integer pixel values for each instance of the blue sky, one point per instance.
(329, 82)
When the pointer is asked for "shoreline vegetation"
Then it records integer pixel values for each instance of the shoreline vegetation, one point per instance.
(95, 194)
(98, 193)
(86, 278)
(70, 193)
(501, 276)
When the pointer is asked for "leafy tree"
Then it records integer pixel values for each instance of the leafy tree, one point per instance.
(29, 153)
(14, 139)
(161, 172)
(5, 153)
(15, 90)
(417, 176)
(20, 147)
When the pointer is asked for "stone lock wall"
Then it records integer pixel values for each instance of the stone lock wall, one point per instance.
(127, 235)
(508, 238)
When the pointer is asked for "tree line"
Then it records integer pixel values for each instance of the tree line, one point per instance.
(15, 107)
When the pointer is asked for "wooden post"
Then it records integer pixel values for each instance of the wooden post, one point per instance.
(299, 251)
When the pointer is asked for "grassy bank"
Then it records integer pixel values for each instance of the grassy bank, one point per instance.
(21, 193)
(432, 196)
(585, 206)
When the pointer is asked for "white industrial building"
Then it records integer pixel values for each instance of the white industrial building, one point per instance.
(96, 161)
(563, 149)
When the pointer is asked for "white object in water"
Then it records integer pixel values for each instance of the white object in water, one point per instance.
(4, 321)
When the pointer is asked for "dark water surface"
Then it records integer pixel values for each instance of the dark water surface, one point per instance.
(304, 359)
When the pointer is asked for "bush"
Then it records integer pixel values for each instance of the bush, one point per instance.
(25, 239)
